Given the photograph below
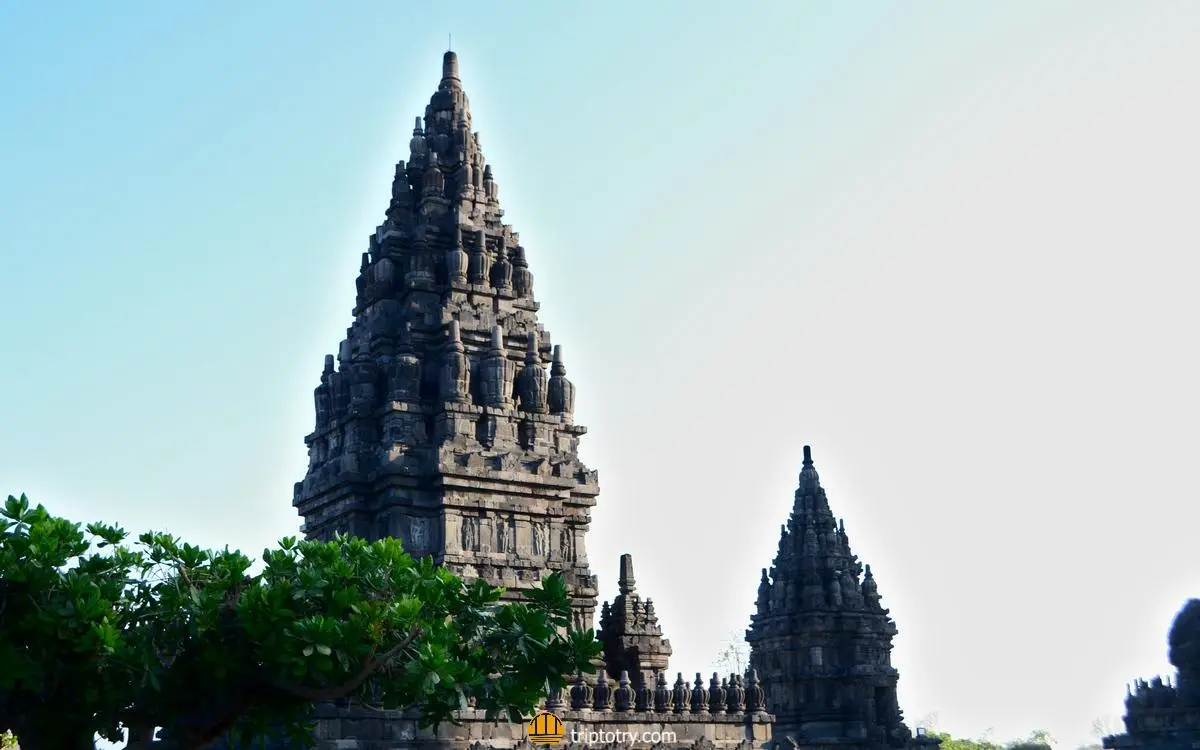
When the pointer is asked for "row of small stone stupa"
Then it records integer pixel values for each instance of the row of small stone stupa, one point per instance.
(498, 383)
(724, 695)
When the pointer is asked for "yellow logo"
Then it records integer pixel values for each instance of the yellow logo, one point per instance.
(546, 729)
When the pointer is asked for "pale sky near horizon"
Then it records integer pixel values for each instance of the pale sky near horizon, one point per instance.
(951, 246)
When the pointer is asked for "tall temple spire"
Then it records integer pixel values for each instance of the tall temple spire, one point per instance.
(819, 603)
(447, 423)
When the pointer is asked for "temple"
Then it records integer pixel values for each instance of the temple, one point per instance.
(821, 638)
(445, 420)
(438, 423)
(1159, 714)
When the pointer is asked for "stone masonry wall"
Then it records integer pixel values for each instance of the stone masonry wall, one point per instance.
(367, 729)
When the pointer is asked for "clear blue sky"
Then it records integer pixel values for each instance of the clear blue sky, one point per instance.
(950, 245)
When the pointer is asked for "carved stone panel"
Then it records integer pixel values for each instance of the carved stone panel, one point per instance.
(566, 544)
(470, 534)
(540, 539)
(404, 428)
(506, 536)
(419, 542)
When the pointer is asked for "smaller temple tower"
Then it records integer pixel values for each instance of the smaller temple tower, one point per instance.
(633, 640)
(1160, 715)
(821, 639)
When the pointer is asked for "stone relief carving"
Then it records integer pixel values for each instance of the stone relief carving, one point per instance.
(470, 533)
(418, 535)
(509, 462)
(566, 544)
(504, 535)
(541, 540)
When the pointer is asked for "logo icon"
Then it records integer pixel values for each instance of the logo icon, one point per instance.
(546, 729)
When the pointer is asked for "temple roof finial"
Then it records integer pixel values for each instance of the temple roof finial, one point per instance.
(810, 481)
(450, 66)
(625, 581)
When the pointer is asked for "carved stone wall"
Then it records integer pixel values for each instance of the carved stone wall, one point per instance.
(364, 729)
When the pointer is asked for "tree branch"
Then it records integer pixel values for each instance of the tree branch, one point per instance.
(369, 668)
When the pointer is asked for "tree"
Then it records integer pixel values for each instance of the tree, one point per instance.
(98, 635)
(734, 657)
(952, 743)
(1106, 726)
(1039, 739)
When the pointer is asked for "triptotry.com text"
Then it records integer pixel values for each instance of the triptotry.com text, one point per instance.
(603, 736)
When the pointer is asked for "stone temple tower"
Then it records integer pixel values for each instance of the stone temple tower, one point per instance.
(445, 419)
(821, 640)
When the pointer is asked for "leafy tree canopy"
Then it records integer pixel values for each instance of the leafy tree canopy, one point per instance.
(99, 634)
(1037, 740)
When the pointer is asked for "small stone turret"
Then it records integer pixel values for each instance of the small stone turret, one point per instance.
(502, 272)
(533, 382)
(404, 380)
(560, 395)
(495, 373)
(457, 260)
(456, 370)
(629, 629)
(522, 277)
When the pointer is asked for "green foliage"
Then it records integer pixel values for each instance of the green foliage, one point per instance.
(97, 634)
(1038, 740)
(7, 741)
(951, 743)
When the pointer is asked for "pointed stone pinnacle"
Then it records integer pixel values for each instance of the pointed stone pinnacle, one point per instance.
(531, 351)
(625, 581)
